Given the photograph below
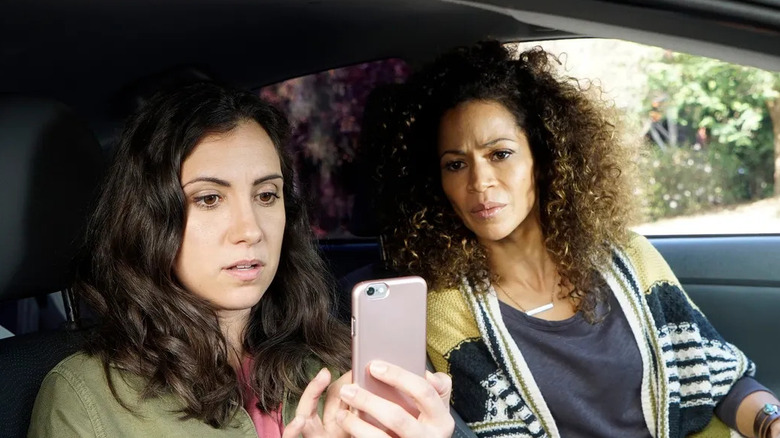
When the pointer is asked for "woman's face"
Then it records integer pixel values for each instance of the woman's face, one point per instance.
(232, 183)
(487, 171)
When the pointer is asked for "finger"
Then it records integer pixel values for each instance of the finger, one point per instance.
(425, 396)
(333, 404)
(307, 405)
(355, 426)
(332, 399)
(389, 414)
(293, 429)
(306, 411)
(442, 383)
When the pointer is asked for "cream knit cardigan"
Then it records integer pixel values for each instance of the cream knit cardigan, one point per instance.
(687, 366)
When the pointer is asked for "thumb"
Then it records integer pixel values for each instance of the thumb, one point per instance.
(442, 383)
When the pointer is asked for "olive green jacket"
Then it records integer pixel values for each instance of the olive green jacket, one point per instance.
(75, 401)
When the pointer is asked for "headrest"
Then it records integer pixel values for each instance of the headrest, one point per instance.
(50, 167)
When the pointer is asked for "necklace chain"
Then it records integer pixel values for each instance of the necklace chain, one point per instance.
(535, 310)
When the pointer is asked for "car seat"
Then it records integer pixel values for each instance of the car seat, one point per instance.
(50, 167)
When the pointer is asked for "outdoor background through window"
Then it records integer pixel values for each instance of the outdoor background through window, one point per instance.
(326, 111)
(711, 130)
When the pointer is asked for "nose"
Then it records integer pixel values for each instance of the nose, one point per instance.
(480, 177)
(245, 226)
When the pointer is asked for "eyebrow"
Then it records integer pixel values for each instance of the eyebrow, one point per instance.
(223, 183)
(484, 145)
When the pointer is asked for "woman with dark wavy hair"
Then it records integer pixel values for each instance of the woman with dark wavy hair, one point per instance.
(213, 301)
(509, 188)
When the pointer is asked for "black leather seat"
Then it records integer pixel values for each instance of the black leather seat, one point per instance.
(50, 167)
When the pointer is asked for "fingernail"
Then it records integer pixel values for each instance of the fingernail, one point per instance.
(378, 368)
(348, 391)
(340, 416)
(322, 371)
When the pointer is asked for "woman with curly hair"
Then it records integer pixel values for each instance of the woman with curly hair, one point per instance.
(509, 188)
(213, 301)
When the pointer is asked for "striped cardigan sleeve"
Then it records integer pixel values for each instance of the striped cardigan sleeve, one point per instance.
(701, 367)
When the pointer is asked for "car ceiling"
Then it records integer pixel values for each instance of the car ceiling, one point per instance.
(92, 54)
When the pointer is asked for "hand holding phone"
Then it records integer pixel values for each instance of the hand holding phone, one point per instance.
(388, 323)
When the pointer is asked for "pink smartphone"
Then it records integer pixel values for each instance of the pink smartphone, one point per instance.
(388, 323)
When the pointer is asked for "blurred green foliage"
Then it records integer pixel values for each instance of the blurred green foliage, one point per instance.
(681, 181)
(711, 134)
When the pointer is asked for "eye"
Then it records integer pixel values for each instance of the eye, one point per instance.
(267, 198)
(207, 201)
(501, 155)
(454, 166)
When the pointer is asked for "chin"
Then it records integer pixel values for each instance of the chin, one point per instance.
(235, 306)
(241, 300)
(491, 232)
(491, 238)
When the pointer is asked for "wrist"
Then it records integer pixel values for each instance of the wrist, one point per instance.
(765, 419)
(774, 430)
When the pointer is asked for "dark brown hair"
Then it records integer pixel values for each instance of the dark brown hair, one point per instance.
(583, 169)
(152, 326)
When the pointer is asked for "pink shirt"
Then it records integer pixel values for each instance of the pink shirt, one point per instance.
(268, 425)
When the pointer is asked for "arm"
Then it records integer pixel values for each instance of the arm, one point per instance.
(744, 397)
(748, 409)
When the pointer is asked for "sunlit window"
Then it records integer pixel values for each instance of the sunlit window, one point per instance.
(711, 130)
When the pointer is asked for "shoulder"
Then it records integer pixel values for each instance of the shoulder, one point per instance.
(78, 363)
(82, 377)
(87, 372)
(75, 372)
(451, 322)
(639, 248)
(76, 400)
(445, 301)
(69, 390)
(648, 265)
(448, 308)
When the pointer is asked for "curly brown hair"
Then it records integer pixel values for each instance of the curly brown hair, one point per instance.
(584, 168)
(150, 325)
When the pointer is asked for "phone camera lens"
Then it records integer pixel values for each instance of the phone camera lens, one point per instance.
(370, 291)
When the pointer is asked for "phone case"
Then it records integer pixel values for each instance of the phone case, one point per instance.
(391, 329)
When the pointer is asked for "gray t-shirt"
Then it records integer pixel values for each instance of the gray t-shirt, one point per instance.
(591, 374)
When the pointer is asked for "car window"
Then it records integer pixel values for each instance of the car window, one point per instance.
(326, 111)
(710, 132)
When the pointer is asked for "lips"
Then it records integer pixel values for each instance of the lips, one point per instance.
(487, 210)
(245, 270)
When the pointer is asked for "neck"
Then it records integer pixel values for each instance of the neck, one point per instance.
(522, 258)
(233, 324)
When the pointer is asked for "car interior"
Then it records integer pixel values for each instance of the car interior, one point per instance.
(72, 70)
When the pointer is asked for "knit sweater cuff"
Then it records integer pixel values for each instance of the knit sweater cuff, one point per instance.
(726, 410)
